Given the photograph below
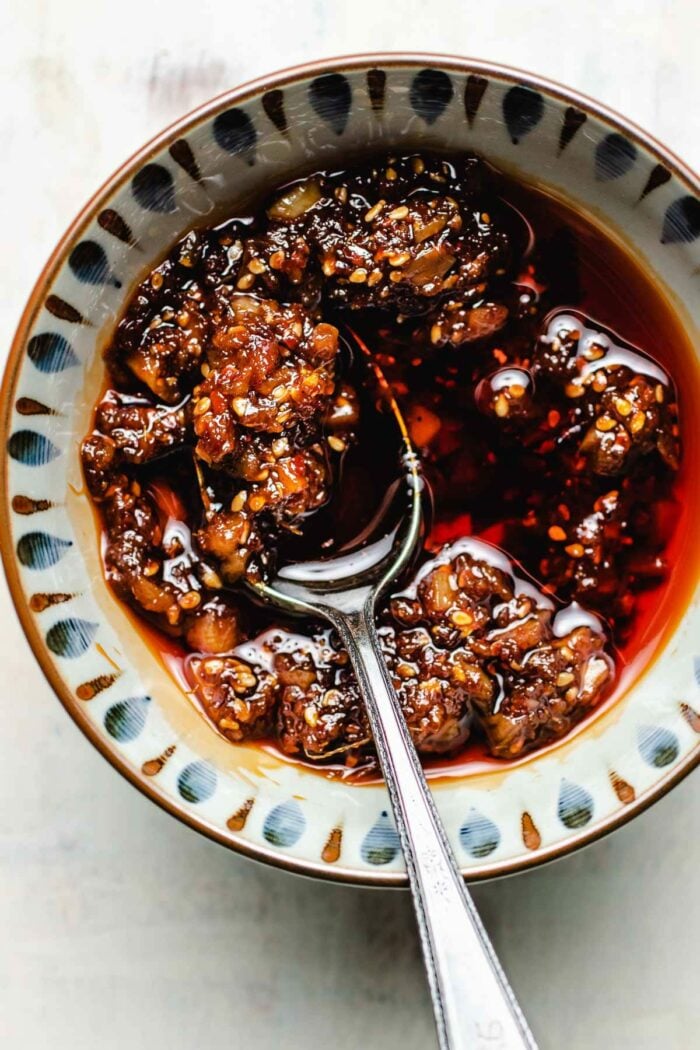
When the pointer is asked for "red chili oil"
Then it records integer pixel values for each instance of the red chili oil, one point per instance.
(577, 266)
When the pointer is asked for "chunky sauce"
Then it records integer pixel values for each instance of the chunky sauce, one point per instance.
(594, 504)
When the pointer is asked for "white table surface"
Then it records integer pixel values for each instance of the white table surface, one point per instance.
(120, 928)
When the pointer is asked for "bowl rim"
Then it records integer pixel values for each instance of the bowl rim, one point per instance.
(208, 109)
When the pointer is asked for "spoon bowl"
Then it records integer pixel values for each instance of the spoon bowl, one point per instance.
(383, 549)
(469, 989)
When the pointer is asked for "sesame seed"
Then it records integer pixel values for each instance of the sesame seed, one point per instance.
(238, 501)
(211, 579)
(244, 681)
(573, 390)
(246, 281)
(280, 392)
(391, 174)
(565, 678)
(399, 213)
(556, 533)
(399, 258)
(189, 601)
(637, 422)
(575, 550)
(311, 716)
(406, 671)
(418, 165)
(239, 406)
(622, 406)
(605, 423)
(157, 280)
(501, 407)
(395, 276)
(256, 503)
(213, 665)
(229, 723)
(358, 276)
(336, 443)
(659, 393)
(241, 710)
(276, 260)
(202, 406)
(435, 334)
(256, 266)
(328, 267)
(205, 369)
(374, 278)
(374, 211)
(462, 619)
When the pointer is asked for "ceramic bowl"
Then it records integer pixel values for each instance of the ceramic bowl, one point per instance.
(115, 689)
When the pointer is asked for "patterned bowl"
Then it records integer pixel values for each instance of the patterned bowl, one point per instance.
(118, 693)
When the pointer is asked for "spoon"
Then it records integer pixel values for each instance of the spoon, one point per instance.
(475, 1007)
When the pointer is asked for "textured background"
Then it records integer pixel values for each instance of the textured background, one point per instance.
(121, 928)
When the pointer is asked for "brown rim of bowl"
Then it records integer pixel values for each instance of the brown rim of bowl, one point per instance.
(73, 706)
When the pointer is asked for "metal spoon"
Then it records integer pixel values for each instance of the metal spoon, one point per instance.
(475, 1007)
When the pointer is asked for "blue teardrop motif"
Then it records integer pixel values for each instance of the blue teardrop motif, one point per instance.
(331, 100)
(575, 805)
(523, 109)
(197, 782)
(51, 352)
(125, 720)
(682, 221)
(658, 746)
(70, 638)
(32, 449)
(431, 93)
(478, 835)
(235, 132)
(40, 550)
(154, 189)
(381, 843)
(284, 825)
(614, 156)
(89, 263)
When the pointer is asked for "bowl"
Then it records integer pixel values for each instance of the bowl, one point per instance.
(500, 821)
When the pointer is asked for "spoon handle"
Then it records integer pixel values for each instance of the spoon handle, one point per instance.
(475, 1007)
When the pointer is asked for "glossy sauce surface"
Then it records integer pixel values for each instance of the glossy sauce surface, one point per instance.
(481, 480)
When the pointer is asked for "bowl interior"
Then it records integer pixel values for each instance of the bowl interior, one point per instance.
(212, 164)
